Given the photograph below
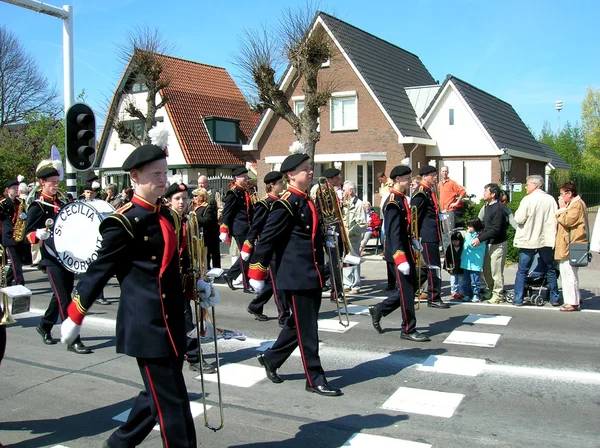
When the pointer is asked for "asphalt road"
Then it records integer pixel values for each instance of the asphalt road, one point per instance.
(535, 384)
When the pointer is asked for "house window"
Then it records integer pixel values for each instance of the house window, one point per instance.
(526, 170)
(223, 130)
(298, 107)
(344, 113)
(138, 85)
(137, 126)
(451, 117)
(327, 63)
(370, 181)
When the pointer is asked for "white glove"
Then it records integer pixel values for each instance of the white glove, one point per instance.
(404, 268)
(257, 285)
(69, 331)
(417, 246)
(245, 255)
(223, 237)
(42, 234)
(208, 296)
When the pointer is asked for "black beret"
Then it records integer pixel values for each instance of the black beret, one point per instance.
(331, 172)
(11, 183)
(239, 171)
(400, 170)
(142, 156)
(92, 177)
(175, 188)
(427, 169)
(45, 173)
(89, 187)
(291, 162)
(273, 176)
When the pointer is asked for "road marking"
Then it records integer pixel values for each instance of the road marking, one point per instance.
(334, 326)
(453, 364)
(423, 401)
(487, 319)
(472, 338)
(237, 374)
(359, 440)
(264, 346)
(576, 376)
(195, 406)
(356, 310)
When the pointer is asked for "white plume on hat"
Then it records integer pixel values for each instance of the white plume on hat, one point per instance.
(20, 178)
(297, 148)
(176, 179)
(405, 161)
(96, 185)
(159, 135)
(48, 163)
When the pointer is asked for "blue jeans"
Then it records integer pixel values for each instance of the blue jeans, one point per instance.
(470, 283)
(455, 281)
(525, 260)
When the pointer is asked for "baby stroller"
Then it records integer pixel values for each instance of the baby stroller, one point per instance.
(536, 284)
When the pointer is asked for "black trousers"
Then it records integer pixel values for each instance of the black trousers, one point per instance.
(15, 273)
(333, 271)
(2, 338)
(431, 255)
(301, 330)
(214, 253)
(165, 401)
(404, 299)
(283, 308)
(192, 353)
(61, 282)
(239, 265)
(391, 274)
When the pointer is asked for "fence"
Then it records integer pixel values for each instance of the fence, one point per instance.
(588, 187)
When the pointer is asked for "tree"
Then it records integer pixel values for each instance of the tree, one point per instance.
(568, 143)
(23, 88)
(141, 54)
(590, 116)
(303, 48)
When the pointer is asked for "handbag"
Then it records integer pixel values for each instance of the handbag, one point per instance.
(579, 253)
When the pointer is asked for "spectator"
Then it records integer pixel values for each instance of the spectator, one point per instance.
(571, 229)
(451, 194)
(212, 226)
(510, 218)
(471, 261)
(384, 188)
(414, 184)
(355, 222)
(127, 194)
(373, 223)
(494, 234)
(452, 261)
(112, 196)
(536, 233)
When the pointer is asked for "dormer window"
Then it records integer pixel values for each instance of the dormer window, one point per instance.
(223, 130)
(138, 85)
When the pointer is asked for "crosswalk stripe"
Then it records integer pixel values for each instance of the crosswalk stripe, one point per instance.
(423, 401)
(472, 338)
(195, 407)
(453, 364)
(359, 440)
(487, 319)
(334, 326)
(240, 375)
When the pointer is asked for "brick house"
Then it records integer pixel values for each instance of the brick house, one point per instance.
(207, 117)
(387, 107)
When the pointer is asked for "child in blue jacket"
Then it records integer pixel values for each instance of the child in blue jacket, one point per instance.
(471, 261)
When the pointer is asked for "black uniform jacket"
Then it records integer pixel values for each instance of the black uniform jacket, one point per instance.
(141, 245)
(209, 221)
(237, 211)
(427, 214)
(397, 229)
(45, 207)
(259, 219)
(8, 215)
(293, 233)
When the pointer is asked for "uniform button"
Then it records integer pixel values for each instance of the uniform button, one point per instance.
(302, 215)
(166, 316)
(145, 238)
(164, 296)
(308, 227)
(153, 257)
(136, 219)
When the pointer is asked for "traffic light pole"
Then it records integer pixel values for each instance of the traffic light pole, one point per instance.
(66, 14)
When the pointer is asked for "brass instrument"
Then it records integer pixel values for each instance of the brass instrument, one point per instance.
(198, 261)
(254, 196)
(327, 203)
(19, 226)
(414, 230)
(7, 318)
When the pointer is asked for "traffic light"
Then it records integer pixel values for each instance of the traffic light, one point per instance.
(80, 136)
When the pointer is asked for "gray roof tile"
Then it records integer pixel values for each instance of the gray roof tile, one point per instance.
(557, 161)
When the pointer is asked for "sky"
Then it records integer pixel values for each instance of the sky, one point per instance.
(529, 53)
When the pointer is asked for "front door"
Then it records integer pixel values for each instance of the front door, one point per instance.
(361, 173)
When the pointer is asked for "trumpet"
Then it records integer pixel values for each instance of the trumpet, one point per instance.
(420, 263)
(198, 262)
(7, 318)
(332, 219)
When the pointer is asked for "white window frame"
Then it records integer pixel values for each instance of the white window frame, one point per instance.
(342, 95)
(296, 100)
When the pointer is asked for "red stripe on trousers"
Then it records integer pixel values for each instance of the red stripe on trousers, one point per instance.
(300, 341)
(155, 398)
(60, 310)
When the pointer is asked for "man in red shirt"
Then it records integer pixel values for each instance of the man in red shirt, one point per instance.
(451, 194)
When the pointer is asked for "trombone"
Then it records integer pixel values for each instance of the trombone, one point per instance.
(7, 318)
(198, 260)
(414, 230)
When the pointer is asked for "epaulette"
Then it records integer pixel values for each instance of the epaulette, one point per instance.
(122, 219)
(284, 201)
(124, 208)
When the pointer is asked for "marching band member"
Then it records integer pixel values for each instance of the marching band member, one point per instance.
(293, 233)
(429, 231)
(9, 209)
(237, 217)
(275, 186)
(37, 231)
(399, 251)
(140, 244)
(210, 224)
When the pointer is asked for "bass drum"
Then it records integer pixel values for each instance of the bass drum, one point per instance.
(76, 233)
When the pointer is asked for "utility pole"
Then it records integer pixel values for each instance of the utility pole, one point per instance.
(66, 15)
(559, 106)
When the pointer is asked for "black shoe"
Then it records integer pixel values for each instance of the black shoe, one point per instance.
(78, 347)
(249, 291)
(206, 367)
(258, 316)
(415, 336)
(271, 371)
(325, 390)
(46, 335)
(439, 304)
(376, 317)
(229, 282)
(103, 301)
(390, 287)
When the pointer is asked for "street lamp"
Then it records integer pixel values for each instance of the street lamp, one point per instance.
(505, 165)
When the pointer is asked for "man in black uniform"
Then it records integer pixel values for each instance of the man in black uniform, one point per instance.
(428, 220)
(9, 208)
(237, 217)
(140, 245)
(37, 230)
(399, 251)
(210, 226)
(294, 234)
(275, 186)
